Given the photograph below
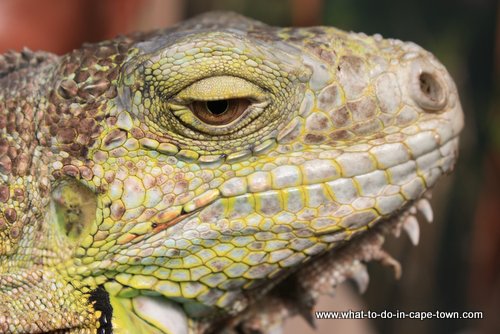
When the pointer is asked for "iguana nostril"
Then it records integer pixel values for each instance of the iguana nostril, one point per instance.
(429, 90)
(430, 87)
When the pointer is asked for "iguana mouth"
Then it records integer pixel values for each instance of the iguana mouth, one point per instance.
(298, 293)
(331, 265)
(320, 276)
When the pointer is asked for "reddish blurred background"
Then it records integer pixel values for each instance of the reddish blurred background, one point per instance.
(456, 267)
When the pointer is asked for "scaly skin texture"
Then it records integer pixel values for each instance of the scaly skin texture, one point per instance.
(129, 200)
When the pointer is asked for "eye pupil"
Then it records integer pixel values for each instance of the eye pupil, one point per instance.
(217, 107)
(219, 112)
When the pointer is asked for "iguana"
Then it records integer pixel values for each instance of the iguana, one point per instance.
(216, 176)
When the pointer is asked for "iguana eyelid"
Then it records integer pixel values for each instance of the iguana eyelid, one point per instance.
(221, 88)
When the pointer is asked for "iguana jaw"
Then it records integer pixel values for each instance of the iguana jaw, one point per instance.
(273, 302)
(325, 225)
(298, 293)
(329, 267)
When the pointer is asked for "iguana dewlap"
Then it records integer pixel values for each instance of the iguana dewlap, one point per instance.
(217, 175)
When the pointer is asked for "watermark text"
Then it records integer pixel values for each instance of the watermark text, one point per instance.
(420, 315)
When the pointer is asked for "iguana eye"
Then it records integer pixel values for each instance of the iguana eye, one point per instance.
(218, 105)
(219, 112)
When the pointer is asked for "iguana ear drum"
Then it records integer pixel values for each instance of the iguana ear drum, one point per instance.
(73, 206)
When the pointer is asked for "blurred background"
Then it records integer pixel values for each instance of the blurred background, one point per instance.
(456, 266)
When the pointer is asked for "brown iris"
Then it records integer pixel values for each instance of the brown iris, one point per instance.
(219, 112)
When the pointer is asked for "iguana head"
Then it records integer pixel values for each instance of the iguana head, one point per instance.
(182, 174)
